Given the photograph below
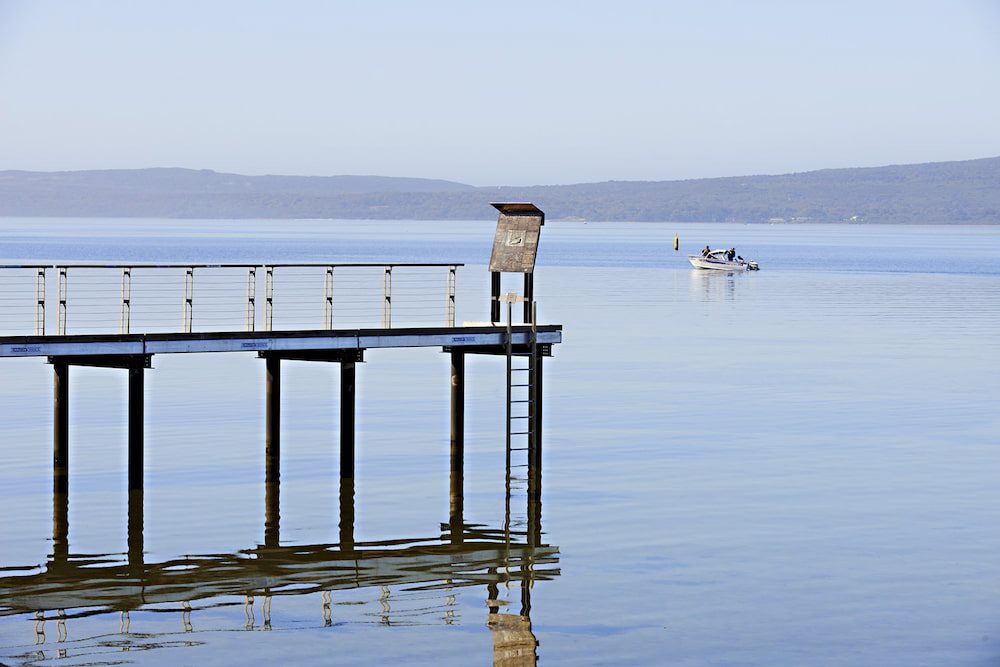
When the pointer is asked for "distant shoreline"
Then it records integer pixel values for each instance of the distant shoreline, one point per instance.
(943, 193)
(139, 218)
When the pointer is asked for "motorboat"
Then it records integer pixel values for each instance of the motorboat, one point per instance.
(718, 260)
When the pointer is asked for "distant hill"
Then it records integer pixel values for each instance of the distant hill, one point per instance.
(939, 192)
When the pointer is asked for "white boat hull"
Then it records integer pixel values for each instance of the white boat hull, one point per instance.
(714, 264)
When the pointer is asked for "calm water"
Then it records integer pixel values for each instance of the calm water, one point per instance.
(796, 466)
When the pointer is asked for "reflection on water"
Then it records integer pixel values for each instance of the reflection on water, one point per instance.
(406, 581)
(715, 285)
(794, 466)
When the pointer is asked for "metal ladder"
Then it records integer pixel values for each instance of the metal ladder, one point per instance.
(521, 398)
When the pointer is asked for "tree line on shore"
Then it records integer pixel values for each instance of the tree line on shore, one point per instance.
(942, 192)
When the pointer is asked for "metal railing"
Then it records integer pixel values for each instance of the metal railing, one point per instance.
(153, 298)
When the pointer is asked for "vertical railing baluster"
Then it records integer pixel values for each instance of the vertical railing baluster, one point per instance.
(126, 308)
(449, 317)
(268, 297)
(387, 299)
(40, 303)
(63, 289)
(188, 299)
(251, 298)
(328, 303)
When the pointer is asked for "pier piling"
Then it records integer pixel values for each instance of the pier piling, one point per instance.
(535, 398)
(346, 514)
(272, 418)
(135, 540)
(136, 392)
(60, 527)
(60, 428)
(457, 476)
(347, 391)
(272, 509)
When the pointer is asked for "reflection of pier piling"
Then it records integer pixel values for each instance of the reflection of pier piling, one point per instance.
(70, 587)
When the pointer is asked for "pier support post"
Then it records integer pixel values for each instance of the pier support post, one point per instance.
(60, 428)
(135, 531)
(136, 393)
(272, 508)
(347, 391)
(346, 514)
(535, 455)
(272, 451)
(535, 458)
(60, 527)
(457, 477)
(272, 420)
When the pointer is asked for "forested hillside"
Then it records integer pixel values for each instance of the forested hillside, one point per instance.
(941, 192)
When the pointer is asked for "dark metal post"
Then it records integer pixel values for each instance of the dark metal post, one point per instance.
(135, 418)
(60, 428)
(534, 504)
(457, 405)
(529, 296)
(535, 459)
(60, 527)
(457, 479)
(272, 409)
(272, 506)
(272, 451)
(535, 455)
(494, 296)
(347, 388)
(346, 514)
(135, 530)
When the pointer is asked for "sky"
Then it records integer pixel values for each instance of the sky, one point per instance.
(497, 93)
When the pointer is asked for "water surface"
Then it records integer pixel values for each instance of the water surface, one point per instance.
(792, 466)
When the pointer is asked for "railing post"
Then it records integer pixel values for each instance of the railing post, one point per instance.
(449, 318)
(40, 303)
(328, 303)
(125, 317)
(268, 297)
(251, 297)
(63, 288)
(387, 299)
(188, 299)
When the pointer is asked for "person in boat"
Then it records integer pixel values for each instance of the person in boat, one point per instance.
(731, 255)
(704, 253)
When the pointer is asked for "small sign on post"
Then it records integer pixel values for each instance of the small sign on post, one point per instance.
(515, 248)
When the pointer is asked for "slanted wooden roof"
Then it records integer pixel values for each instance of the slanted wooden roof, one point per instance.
(519, 208)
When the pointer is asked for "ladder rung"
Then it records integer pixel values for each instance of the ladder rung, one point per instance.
(520, 401)
(521, 433)
(521, 417)
(518, 449)
(520, 385)
(513, 370)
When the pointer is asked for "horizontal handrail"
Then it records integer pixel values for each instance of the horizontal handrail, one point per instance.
(141, 265)
(212, 297)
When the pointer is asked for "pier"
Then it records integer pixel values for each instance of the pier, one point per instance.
(122, 316)
(138, 300)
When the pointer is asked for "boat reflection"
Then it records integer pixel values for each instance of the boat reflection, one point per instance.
(75, 585)
(714, 285)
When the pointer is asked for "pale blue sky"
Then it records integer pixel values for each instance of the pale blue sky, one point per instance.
(505, 92)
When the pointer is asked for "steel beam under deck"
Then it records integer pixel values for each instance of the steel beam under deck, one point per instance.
(94, 347)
